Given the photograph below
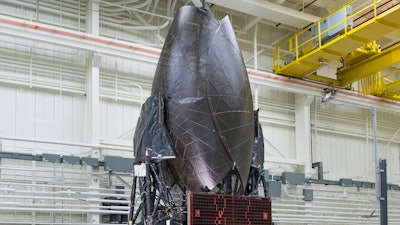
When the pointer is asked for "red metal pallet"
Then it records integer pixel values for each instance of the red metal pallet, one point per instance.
(210, 209)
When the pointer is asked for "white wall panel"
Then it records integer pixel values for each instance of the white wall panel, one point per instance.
(118, 119)
(7, 112)
(278, 141)
(38, 114)
(341, 156)
(25, 111)
(349, 157)
(36, 102)
(118, 123)
(392, 156)
(343, 141)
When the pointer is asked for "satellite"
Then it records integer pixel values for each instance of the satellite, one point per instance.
(197, 132)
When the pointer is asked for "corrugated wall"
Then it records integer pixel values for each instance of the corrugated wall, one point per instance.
(42, 96)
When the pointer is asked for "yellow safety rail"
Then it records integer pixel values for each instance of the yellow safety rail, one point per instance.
(389, 86)
(320, 43)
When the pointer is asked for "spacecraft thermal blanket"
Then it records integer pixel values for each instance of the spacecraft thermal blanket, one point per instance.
(201, 109)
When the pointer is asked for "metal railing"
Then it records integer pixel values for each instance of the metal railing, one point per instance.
(297, 46)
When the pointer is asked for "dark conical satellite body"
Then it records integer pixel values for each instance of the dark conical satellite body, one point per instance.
(206, 95)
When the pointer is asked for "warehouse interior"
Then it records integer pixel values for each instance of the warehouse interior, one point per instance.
(74, 74)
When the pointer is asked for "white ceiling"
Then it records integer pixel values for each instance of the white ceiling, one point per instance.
(269, 11)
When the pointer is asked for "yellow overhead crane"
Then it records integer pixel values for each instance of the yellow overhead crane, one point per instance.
(350, 37)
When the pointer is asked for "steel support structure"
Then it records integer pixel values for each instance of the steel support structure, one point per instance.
(380, 176)
(157, 204)
(371, 65)
(383, 192)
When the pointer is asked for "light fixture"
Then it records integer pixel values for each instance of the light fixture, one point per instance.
(330, 94)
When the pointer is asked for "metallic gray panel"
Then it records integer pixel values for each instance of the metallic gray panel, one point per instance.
(51, 158)
(71, 159)
(89, 161)
(293, 178)
(346, 182)
(308, 194)
(273, 189)
(118, 164)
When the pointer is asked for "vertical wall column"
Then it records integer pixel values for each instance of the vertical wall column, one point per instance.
(93, 189)
(92, 17)
(303, 131)
(92, 117)
(92, 112)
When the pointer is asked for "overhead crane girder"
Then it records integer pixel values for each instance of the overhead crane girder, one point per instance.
(295, 58)
(371, 65)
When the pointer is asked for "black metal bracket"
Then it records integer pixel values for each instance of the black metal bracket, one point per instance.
(383, 192)
(203, 4)
(320, 169)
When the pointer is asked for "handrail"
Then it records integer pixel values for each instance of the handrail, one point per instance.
(295, 38)
(298, 42)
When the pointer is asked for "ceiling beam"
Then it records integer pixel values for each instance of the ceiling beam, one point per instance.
(78, 40)
(197, 3)
(268, 11)
(298, 86)
(250, 24)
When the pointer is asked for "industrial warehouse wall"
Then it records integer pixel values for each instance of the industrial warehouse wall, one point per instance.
(43, 97)
(343, 140)
(40, 114)
(342, 137)
(52, 193)
(31, 113)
